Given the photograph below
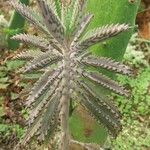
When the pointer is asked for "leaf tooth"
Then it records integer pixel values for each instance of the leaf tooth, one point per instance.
(45, 45)
(27, 55)
(35, 111)
(100, 34)
(53, 123)
(75, 10)
(106, 82)
(107, 63)
(52, 22)
(39, 65)
(41, 85)
(102, 102)
(51, 116)
(109, 121)
(113, 125)
(32, 39)
(81, 8)
(52, 4)
(36, 126)
(29, 14)
(113, 131)
(29, 134)
(82, 27)
(41, 61)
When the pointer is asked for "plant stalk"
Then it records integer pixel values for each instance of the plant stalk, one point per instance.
(65, 103)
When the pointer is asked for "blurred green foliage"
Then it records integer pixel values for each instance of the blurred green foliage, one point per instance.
(16, 23)
(7, 130)
(136, 130)
(113, 12)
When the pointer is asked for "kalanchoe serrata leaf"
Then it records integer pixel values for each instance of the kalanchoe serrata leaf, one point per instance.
(42, 84)
(34, 40)
(35, 111)
(29, 14)
(27, 55)
(62, 56)
(83, 24)
(105, 82)
(112, 124)
(41, 61)
(99, 35)
(104, 103)
(107, 63)
(52, 22)
(37, 41)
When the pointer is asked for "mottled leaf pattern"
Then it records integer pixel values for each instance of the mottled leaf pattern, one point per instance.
(107, 63)
(27, 55)
(106, 82)
(29, 134)
(46, 79)
(40, 62)
(38, 108)
(100, 34)
(29, 14)
(112, 124)
(82, 27)
(32, 39)
(104, 103)
(52, 21)
(51, 112)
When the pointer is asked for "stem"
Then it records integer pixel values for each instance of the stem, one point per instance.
(64, 116)
(64, 103)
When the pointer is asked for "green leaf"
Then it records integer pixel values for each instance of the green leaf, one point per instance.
(85, 129)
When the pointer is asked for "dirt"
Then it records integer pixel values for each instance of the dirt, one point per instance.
(143, 20)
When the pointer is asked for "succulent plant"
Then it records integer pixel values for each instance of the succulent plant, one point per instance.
(63, 56)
